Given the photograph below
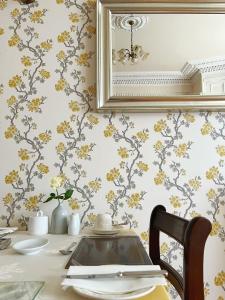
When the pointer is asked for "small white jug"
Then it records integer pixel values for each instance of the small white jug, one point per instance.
(38, 225)
(74, 224)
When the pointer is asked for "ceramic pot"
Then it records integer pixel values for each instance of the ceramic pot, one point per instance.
(59, 220)
(38, 225)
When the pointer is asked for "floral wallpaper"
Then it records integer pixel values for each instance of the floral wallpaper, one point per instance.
(124, 164)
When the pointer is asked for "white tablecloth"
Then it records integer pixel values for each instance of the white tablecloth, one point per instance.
(48, 266)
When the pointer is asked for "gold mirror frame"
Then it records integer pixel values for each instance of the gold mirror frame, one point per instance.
(106, 102)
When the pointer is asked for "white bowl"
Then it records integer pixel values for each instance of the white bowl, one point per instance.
(31, 246)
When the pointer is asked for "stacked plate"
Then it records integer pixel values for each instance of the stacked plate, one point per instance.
(109, 287)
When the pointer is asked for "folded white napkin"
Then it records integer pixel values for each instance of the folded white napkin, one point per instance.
(112, 285)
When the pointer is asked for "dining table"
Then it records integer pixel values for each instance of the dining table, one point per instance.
(48, 266)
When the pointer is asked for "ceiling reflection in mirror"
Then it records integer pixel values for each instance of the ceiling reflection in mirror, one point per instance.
(168, 54)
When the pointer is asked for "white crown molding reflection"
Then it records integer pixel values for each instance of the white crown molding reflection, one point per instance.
(207, 66)
(122, 22)
(156, 78)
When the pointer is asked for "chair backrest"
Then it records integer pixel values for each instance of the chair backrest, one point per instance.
(192, 235)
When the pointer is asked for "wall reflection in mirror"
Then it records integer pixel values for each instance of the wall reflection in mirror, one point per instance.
(168, 54)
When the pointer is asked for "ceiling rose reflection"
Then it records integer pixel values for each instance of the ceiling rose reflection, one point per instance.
(135, 52)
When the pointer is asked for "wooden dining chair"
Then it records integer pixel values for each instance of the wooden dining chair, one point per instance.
(192, 235)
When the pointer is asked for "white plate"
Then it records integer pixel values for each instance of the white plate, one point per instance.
(31, 246)
(106, 231)
(125, 296)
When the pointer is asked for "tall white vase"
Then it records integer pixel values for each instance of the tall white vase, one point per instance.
(74, 224)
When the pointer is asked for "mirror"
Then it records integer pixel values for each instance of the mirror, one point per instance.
(160, 56)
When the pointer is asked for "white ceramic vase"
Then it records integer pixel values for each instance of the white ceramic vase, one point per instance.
(59, 223)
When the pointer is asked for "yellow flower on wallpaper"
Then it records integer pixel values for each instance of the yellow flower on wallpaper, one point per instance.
(134, 200)
(36, 16)
(44, 137)
(34, 105)
(212, 173)
(110, 130)
(59, 1)
(23, 154)
(194, 214)
(211, 194)
(60, 85)
(181, 150)
(26, 61)
(15, 81)
(14, 40)
(206, 291)
(47, 45)
(64, 37)
(220, 298)
(142, 166)
(91, 3)
(195, 184)
(44, 74)
(83, 152)
(220, 150)
(145, 236)
(175, 201)
(1, 31)
(74, 106)
(10, 132)
(158, 146)
(8, 199)
(160, 126)
(93, 119)
(95, 185)
(91, 29)
(43, 168)
(123, 152)
(15, 12)
(164, 248)
(92, 90)
(160, 177)
(11, 100)
(63, 127)
(61, 55)
(3, 4)
(113, 174)
(32, 203)
(219, 280)
(189, 118)
(91, 217)
(60, 147)
(83, 59)
(12, 177)
(215, 228)
(206, 129)
(73, 203)
(74, 18)
(142, 136)
(110, 196)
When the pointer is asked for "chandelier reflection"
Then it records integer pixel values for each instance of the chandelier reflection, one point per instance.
(132, 55)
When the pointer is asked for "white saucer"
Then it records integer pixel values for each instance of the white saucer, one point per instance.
(31, 246)
(124, 296)
(106, 231)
